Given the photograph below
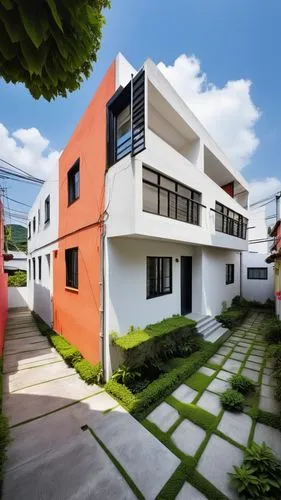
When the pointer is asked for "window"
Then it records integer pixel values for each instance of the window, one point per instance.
(257, 273)
(39, 267)
(38, 223)
(166, 197)
(29, 269)
(230, 222)
(34, 224)
(34, 269)
(71, 265)
(73, 178)
(229, 279)
(158, 277)
(47, 209)
(123, 133)
(29, 230)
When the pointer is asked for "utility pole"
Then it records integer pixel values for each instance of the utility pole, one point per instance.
(277, 199)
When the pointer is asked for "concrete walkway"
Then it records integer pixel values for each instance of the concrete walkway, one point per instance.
(70, 440)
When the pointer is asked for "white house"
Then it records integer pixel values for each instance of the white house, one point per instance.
(257, 275)
(17, 263)
(42, 242)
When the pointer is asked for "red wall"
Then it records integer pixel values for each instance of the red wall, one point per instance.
(76, 312)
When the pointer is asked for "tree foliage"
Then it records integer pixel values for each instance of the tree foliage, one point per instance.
(18, 279)
(49, 45)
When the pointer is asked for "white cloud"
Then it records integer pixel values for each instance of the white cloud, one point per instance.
(228, 113)
(28, 150)
(264, 188)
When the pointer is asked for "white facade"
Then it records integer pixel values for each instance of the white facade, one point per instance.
(18, 262)
(17, 297)
(41, 245)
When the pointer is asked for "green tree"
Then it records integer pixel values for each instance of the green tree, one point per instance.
(17, 279)
(49, 45)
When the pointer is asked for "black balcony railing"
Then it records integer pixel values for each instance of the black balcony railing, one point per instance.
(231, 226)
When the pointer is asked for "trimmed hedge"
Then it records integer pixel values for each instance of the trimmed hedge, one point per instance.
(88, 372)
(68, 352)
(4, 441)
(170, 337)
(232, 317)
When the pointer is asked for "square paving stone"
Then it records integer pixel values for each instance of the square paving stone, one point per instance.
(269, 404)
(217, 460)
(238, 356)
(223, 375)
(229, 344)
(244, 344)
(255, 359)
(237, 426)
(206, 371)
(252, 366)
(272, 437)
(232, 365)
(241, 349)
(218, 386)
(184, 394)
(267, 391)
(188, 437)
(267, 371)
(224, 351)
(259, 348)
(164, 416)
(189, 492)
(210, 402)
(256, 352)
(251, 374)
(216, 360)
(268, 380)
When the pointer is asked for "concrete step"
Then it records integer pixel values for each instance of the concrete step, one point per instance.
(213, 337)
(203, 321)
(207, 327)
(210, 330)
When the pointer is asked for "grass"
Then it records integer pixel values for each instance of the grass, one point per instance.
(194, 413)
(198, 381)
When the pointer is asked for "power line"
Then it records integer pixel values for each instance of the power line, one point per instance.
(270, 198)
(19, 202)
(21, 170)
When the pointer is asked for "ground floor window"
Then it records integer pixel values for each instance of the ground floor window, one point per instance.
(159, 276)
(229, 274)
(71, 266)
(257, 273)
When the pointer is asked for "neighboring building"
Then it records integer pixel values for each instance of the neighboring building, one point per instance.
(257, 274)
(42, 242)
(275, 257)
(3, 282)
(151, 217)
(17, 263)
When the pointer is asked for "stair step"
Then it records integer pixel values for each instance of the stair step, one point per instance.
(216, 335)
(210, 330)
(204, 321)
(206, 328)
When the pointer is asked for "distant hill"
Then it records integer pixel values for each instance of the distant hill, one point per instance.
(16, 237)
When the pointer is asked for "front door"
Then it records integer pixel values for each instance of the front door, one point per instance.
(186, 285)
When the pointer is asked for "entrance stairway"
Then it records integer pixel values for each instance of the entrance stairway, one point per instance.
(208, 327)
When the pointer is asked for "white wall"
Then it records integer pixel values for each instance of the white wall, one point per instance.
(258, 230)
(17, 297)
(259, 290)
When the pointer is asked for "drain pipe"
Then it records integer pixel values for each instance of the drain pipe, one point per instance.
(102, 303)
(241, 276)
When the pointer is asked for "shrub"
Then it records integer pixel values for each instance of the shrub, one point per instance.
(232, 317)
(242, 384)
(232, 400)
(68, 352)
(87, 371)
(17, 279)
(4, 441)
(271, 331)
(260, 474)
(125, 375)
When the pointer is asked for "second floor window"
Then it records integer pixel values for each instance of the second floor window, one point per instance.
(34, 268)
(230, 222)
(29, 230)
(34, 224)
(73, 179)
(47, 209)
(71, 267)
(38, 218)
(123, 133)
(166, 197)
(39, 268)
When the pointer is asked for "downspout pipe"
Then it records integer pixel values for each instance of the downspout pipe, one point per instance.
(102, 302)
(241, 275)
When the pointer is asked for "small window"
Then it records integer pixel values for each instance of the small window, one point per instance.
(34, 269)
(29, 269)
(73, 177)
(257, 273)
(47, 209)
(34, 224)
(39, 267)
(229, 274)
(29, 230)
(71, 265)
(158, 276)
(38, 219)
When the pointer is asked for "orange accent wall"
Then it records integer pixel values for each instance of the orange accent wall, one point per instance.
(76, 313)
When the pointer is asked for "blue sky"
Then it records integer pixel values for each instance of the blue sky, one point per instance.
(232, 39)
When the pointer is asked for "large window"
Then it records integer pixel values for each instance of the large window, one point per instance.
(159, 276)
(39, 268)
(166, 197)
(230, 222)
(257, 273)
(71, 266)
(73, 178)
(47, 209)
(229, 278)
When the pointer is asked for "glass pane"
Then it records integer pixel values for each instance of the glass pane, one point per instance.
(196, 196)
(166, 269)
(172, 205)
(167, 183)
(219, 207)
(76, 185)
(163, 202)
(184, 191)
(219, 222)
(150, 176)
(182, 209)
(150, 198)
(152, 275)
(123, 122)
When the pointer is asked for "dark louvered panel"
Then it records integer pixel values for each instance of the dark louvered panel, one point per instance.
(138, 126)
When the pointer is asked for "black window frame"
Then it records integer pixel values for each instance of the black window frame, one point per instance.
(229, 274)
(47, 207)
(71, 276)
(193, 207)
(29, 231)
(34, 268)
(34, 224)
(159, 286)
(39, 268)
(251, 270)
(229, 222)
(71, 186)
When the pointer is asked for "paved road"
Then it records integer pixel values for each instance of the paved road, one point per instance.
(70, 440)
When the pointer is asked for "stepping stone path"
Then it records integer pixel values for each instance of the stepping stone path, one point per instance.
(243, 352)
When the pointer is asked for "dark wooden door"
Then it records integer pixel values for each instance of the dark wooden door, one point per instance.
(186, 285)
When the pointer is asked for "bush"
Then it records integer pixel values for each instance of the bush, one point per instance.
(17, 279)
(232, 317)
(252, 304)
(87, 371)
(4, 441)
(232, 400)
(68, 352)
(260, 474)
(242, 384)
(271, 331)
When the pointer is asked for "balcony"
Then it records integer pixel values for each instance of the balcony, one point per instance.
(229, 225)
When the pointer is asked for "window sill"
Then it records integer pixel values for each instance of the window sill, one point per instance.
(70, 289)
